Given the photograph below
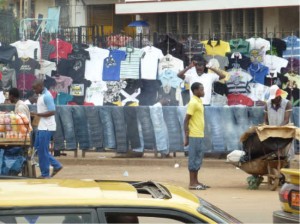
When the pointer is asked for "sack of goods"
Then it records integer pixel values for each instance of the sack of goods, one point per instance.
(14, 126)
(235, 156)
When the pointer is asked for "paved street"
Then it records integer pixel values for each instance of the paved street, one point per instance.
(228, 184)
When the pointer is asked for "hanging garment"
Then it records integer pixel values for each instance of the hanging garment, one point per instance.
(292, 47)
(112, 65)
(170, 46)
(131, 66)
(28, 48)
(216, 47)
(149, 62)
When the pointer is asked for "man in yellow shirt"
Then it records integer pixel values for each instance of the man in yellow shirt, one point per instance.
(194, 135)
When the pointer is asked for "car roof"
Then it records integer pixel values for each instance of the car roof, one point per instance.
(72, 192)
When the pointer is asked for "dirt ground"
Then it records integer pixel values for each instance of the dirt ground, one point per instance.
(228, 184)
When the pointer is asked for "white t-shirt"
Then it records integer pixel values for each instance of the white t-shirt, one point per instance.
(258, 43)
(258, 91)
(207, 80)
(27, 48)
(274, 62)
(94, 93)
(94, 66)
(170, 62)
(45, 103)
(46, 68)
(149, 62)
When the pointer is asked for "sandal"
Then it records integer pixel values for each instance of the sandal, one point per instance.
(198, 187)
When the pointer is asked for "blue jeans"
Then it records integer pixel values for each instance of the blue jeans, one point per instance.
(143, 114)
(132, 127)
(231, 137)
(213, 118)
(160, 129)
(95, 132)
(174, 131)
(41, 144)
(120, 129)
(181, 112)
(241, 122)
(141, 148)
(81, 127)
(64, 114)
(256, 115)
(196, 153)
(109, 139)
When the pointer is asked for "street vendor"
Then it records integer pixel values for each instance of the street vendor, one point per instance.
(277, 109)
(20, 106)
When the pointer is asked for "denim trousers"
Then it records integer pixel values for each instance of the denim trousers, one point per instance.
(256, 115)
(109, 139)
(58, 136)
(143, 114)
(132, 127)
(196, 154)
(216, 131)
(41, 144)
(241, 121)
(95, 131)
(160, 129)
(174, 130)
(120, 129)
(80, 127)
(231, 136)
(64, 115)
(181, 112)
(141, 148)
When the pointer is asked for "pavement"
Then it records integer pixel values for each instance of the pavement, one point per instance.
(149, 159)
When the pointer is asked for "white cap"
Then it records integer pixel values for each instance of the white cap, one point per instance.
(274, 92)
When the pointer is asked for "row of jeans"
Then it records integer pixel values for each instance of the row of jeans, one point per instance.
(151, 127)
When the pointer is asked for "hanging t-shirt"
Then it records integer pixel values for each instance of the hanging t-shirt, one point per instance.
(169, 77)
(47, 49)
(25, 81)
(258, 92)
(292, 47)
(258, 72)
(77, 60)
(28, 48)
(62, 83)
(259, 43)
(46, 67)
(8, 54)
(26, 66)
(130, 67)
(278, 44)
(170, 63)
(94, 93)
(274, 62)
(223, 61)
(78, 90)
(112, 65)
(216, 47)
(149, 92)
(293, 77)
(63, 98)
(94, 66)
(239, 45)
(207, 80)
(242, 61)
(9, 79)
(149, 62)
(238, 81)
(62, 49)
(130, 93)
(113, 91)
(293, 64)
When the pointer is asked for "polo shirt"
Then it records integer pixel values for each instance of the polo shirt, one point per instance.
(292, 47)
(195, 108)
(216, 47)
(130, 67)
(239, 45)
(258, 72)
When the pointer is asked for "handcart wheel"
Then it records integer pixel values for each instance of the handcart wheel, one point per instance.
(273, 179)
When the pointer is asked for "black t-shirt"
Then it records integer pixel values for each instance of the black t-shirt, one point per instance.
(78, 90)
(26, 66)
(171, 46)
(77, 61)
(279, 44)
(149, 92)
(244, 62)
(8, 54)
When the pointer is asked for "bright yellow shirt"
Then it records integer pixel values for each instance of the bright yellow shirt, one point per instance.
(215, 49)
(196, 123)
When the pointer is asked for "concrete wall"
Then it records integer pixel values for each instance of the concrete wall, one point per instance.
(78, 13)
(41, 7)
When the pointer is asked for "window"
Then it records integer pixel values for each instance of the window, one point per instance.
(49, 215)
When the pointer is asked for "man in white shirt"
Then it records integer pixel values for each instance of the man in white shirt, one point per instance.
(20, 106)
(46, 128)
(197, 72)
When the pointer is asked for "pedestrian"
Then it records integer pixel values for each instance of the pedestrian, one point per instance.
(194, 135)
(277, 109)
(46, 128)
(20, 106)
(197, 72)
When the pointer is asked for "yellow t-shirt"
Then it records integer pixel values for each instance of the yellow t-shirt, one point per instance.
(215, 49)
(196, 124)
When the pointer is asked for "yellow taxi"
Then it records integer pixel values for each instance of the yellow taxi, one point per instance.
(92, 201)
(289, 196)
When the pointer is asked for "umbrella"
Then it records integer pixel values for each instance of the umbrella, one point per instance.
(138, 23)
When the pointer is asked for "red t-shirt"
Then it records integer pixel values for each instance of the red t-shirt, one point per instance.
(62, 49)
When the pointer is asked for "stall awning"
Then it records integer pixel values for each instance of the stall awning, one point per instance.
(197, 5)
